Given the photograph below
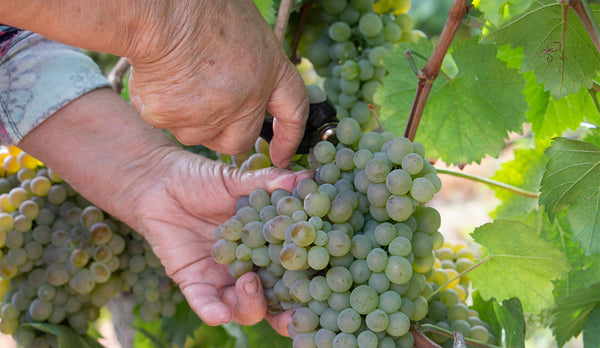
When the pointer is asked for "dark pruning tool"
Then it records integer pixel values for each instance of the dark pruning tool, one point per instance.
(320, 125)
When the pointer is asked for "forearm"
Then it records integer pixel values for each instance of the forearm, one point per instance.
(121, 27)
(102, 148)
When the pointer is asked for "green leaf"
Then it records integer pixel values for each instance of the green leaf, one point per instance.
(487, 313)
(510, 316)
(524, 171)
(497, 11)
(512, 56)
(125, 89)
(465, 118)
(518, 264)
(67, 337)
(572, 180)
(262, 335)
(592, 136)
(562, 64)
(267, 9)
(236, 331)
(181, 325)
(211, 337)
(591, 334)
(585, 270)
(549, 116)
(148, 334)
(568, 315)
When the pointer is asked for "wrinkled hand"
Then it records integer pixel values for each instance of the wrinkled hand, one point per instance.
(210, 71)
(174, 198)
(178, 217)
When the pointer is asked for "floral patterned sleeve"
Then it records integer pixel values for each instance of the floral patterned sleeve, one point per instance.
(38, 77)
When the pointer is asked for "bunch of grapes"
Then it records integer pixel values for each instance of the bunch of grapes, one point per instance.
(350, 251)
(447, 307)
(257, 158)
(62, 259)
(350, 50)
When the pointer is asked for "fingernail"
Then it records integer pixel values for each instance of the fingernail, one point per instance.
(251, 287)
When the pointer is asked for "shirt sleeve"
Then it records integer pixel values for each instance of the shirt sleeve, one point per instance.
(38, 77)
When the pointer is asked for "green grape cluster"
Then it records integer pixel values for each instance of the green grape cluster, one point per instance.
(447, 308)
(350, 50)
(62, 259)
(349, 251)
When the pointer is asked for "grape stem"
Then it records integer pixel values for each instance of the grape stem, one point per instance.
(421, 341)
(380, 128)
(586, 17)
(457, 277)
(116, 74)
(444, 332)
(490, 182)
(283, 15)
(431, 70)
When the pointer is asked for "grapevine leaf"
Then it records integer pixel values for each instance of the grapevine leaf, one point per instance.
(181, 325)
(549, 116)
(125, 89)
(585, 270)
(213, 337)
(148, 334)
(91, 342)
(568, 315)
(591, 334)
(592, 136)
(572, 180)
(466, 117)
(66, 336)
(267, 9)
(515, 252)
(512, 56)
(262, 335)
(236, 331)
(510, 316)
(486, 312)
(524, 171)
(497, 11)
(560, 53)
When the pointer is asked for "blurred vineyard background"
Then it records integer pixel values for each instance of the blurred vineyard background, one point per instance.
(462, 204)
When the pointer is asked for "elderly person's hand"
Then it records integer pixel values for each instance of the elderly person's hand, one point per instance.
(174, 198)
(206, 70)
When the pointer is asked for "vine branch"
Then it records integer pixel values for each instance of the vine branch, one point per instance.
(431, 70)
(116, 74)
(491, 182)
(586, 17)
(283, 15)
